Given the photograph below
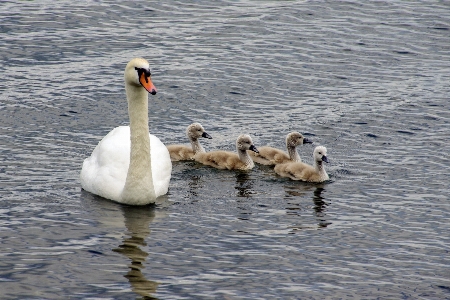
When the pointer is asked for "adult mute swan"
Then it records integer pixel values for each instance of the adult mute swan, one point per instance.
(182, 152)
(271, 156)
(129, 165)
(230, 160)
(305, 172)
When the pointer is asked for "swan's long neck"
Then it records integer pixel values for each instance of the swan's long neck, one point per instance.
(245, 158)
(293, 154)
(196, 147)
(139, 183)
(318, 165)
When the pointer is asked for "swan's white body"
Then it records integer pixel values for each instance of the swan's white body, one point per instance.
(129, 165)
(104, 173)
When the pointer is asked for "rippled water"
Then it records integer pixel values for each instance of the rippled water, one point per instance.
(369, 80)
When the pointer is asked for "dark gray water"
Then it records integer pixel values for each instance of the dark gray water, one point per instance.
(369, 80)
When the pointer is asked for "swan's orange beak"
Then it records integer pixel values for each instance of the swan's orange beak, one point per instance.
(147, 83)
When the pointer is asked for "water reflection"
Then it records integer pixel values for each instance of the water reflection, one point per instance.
(137, 222)
(295, 191)
(244, 185)
(320, 206)
(296, 195)
(194, 184)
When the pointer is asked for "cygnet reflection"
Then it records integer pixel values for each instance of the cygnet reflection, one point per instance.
(244, 185)
(320, 207)
(298, 204)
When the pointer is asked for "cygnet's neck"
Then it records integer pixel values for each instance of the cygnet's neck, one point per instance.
(196, 147)
(293, 154)
(320, 168)
(139, 183)
(245, 158)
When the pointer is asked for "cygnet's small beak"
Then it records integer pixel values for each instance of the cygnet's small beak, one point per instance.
(253, 148)
(147, 83)
(325, 159)
(205, 135)
(307, 141)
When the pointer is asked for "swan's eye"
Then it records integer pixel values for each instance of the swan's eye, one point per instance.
(143, 70)
(320, 153)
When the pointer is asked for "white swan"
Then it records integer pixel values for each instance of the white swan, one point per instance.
(129, 165)
(182, 152)
(272, 156)
(305, 172)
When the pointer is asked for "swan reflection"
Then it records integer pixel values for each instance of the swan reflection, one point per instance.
(137, 223)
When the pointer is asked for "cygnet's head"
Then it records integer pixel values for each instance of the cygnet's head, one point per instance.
(195, 131)
(295, 139)
(320, 154)
(137, 73)
(244, 142)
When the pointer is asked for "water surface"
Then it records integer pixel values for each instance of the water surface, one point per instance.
(367, 80)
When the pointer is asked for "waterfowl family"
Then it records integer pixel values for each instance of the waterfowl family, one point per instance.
(230, 160)
(305, 172)
(182, 152)
(271, 156)
(129, 165)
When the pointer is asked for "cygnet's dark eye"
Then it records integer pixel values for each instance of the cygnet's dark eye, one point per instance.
(320, 153)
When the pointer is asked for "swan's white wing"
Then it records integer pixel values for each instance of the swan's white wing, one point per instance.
(105, 171)
(161, 166)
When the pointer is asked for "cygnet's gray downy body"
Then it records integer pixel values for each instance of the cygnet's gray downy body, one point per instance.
(305, 172)
(270, 156)
(183, 152)
(230, 160)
